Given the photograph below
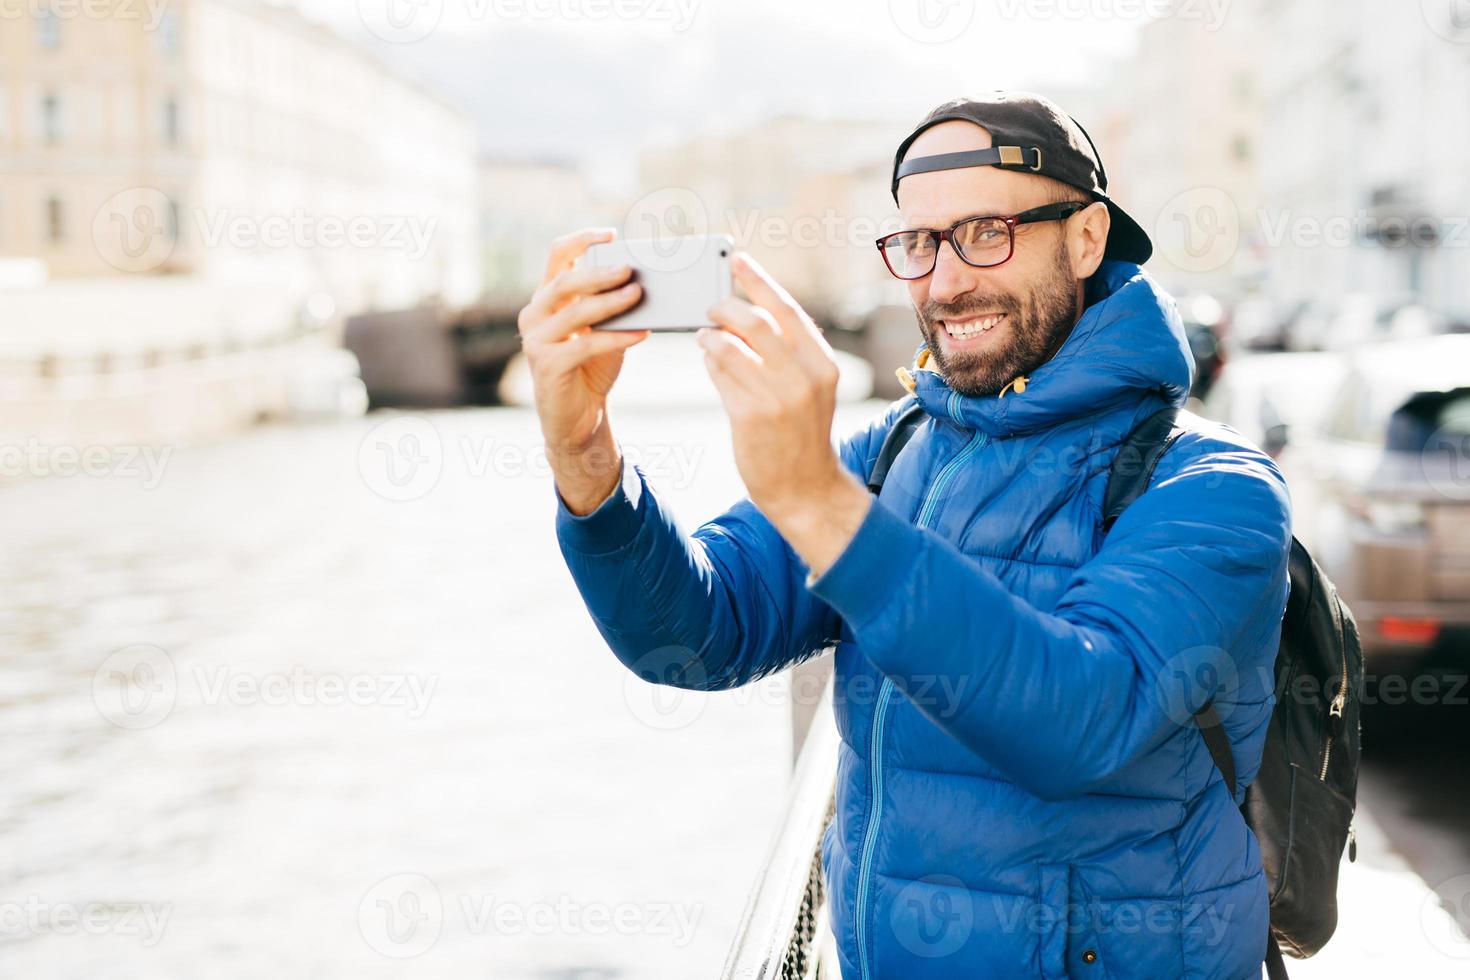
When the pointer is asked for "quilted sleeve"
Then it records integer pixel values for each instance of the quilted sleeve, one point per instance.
(711, 610)
(1191, 580)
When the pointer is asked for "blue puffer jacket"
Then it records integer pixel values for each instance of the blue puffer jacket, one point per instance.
(1020, 792)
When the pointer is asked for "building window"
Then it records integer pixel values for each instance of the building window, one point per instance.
(51, 118)
(55, 220)
(170, 39)
(48, 29)
(171, 122)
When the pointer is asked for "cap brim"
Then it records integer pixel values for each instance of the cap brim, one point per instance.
(1127, 241)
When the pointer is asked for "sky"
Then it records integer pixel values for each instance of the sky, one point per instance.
(593, 80)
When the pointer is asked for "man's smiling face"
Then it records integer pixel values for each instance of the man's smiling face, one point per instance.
(986, 326)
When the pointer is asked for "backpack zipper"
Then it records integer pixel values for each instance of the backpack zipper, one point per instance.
(1336, 713)
(880, 713)
(1335, 716)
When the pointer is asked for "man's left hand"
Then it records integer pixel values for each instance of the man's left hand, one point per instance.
(777, 378)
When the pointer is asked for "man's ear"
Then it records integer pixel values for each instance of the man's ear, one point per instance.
(1087, 238)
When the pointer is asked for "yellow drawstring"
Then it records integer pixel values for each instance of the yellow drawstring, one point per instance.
(906, 378)
(1019, 385)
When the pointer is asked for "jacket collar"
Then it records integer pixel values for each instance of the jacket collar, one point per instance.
(1128, 342)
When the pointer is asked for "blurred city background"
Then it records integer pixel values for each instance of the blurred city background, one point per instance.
(294, 682)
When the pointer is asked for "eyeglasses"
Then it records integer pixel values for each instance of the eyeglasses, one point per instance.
(982, 242)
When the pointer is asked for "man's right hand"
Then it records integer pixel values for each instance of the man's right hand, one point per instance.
(573, 367)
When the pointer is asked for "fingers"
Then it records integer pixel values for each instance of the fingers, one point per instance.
(568, 248)
(588, 312)
(750, 323)
(761, 288)
(767, 292)
(797, 330)
(779, 331)
(759, 335)
(734, 370)
(565, 357)
(565, 287)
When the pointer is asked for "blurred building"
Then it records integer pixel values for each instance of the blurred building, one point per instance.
(806, 196)
(1364, 184)
(232, 140)
(1301, 150)
(192, 195)
(524, 206)
(1180, 146)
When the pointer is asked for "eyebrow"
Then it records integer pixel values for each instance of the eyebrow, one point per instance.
(947, 224)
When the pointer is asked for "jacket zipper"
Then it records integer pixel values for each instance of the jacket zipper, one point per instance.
(880, 712)
(875, 790)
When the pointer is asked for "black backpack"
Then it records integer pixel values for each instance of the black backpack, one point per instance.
(1300, 805)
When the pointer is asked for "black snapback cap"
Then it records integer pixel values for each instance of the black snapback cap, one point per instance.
(1030, 134)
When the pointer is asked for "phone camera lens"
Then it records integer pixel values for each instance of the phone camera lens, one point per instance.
(724, 252)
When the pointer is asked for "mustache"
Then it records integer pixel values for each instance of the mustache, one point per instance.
(972, 305)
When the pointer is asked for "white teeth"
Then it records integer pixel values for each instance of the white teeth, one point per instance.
(973, 327)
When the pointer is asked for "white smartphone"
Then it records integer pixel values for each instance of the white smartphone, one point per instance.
(682, 277)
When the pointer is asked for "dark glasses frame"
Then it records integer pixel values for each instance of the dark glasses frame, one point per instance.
(1059, 211)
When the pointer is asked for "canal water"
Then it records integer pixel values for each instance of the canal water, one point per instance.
(321, 701)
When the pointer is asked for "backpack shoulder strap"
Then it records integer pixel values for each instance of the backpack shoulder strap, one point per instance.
(898, 436)
(1133, 468)
(1207, 719)
(1134, 464)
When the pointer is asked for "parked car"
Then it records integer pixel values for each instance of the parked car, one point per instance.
(1364, 318)
(1272, 399)
(1413, 322)
(1307, 330)
(1204, 323)
(1259, 324)
(1391, 520)
(1349, 321)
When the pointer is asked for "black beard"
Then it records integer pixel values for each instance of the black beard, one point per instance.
(1038, 326)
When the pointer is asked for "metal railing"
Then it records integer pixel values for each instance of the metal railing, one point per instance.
(780, 933)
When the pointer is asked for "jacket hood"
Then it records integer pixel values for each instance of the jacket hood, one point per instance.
(1129, 341)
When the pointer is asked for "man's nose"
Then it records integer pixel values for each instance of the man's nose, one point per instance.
(951, 278)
